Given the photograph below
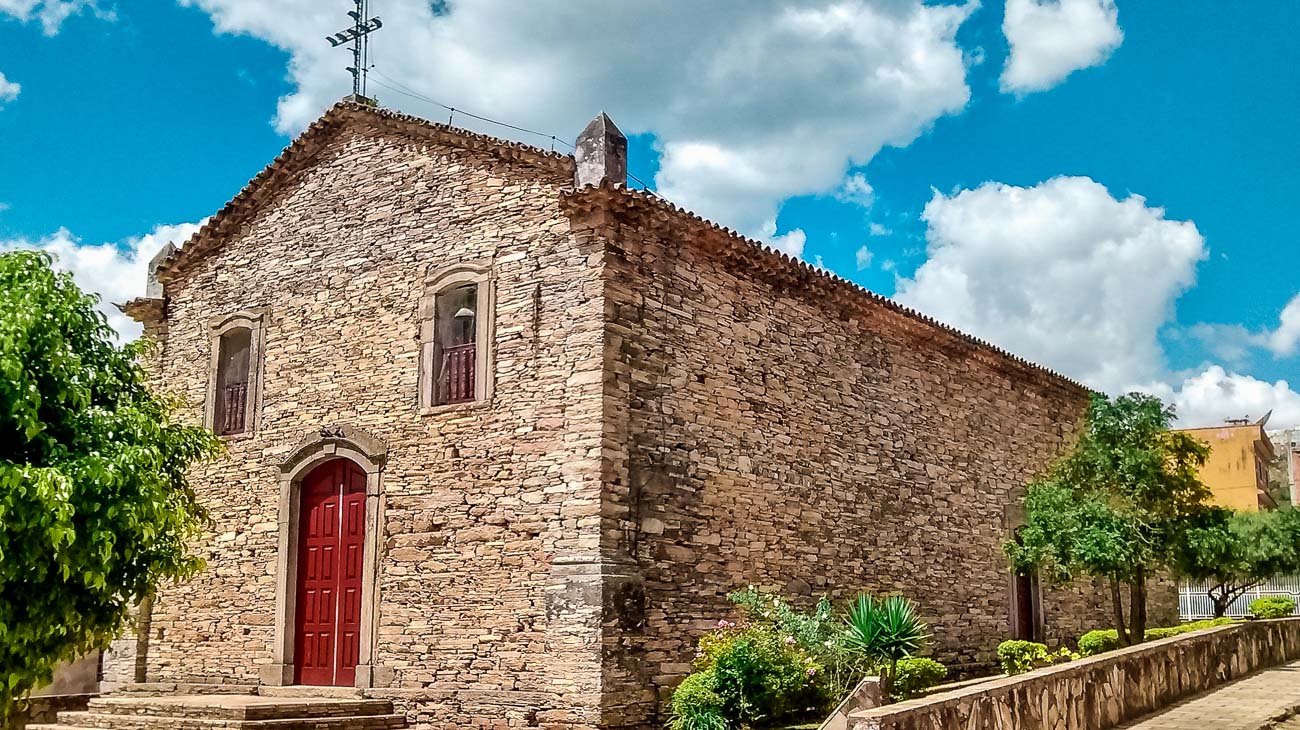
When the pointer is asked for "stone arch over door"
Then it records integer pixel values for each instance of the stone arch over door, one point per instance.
(370, 454)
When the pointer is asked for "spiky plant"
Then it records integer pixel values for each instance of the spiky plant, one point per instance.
(884, 631)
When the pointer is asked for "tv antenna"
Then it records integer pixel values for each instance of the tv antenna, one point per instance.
(359, 36)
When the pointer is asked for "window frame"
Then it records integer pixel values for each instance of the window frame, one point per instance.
(439, 281)
(254, 321)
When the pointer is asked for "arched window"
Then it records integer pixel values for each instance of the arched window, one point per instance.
(234, 373)
(454, 355)
(235, 349)
(455, 335)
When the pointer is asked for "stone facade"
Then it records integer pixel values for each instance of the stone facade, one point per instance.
(673, 413)
(478, 501)
(769, 425)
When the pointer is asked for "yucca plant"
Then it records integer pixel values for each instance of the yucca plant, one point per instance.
(884, 631)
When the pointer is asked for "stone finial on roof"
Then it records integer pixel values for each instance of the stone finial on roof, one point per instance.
(153, 287)
(601, 153)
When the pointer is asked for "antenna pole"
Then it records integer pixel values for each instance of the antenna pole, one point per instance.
(356, 49)
(359, 34)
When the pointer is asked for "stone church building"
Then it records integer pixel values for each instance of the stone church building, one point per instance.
(503, 433)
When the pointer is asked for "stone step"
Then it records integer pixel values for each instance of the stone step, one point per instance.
(169, 689)
(161, 722)
(300, 690)
(235, 707)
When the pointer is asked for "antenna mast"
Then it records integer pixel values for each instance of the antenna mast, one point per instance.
(359, 35)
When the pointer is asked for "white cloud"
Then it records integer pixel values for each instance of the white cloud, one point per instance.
(116, 272)
(878, 229)
(1235, 343)
(1062, 273)
(8, 90)
(1230, 343)
(1210, 397)
(50, 13)
(856, 190)
(1050, 39)
(863, 258)
(1284, 340)
(751, 101)
(1065, 274)
(791, 242)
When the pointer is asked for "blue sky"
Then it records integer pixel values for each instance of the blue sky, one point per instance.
(1001, 201)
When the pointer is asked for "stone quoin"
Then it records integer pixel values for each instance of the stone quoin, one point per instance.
(573, 418)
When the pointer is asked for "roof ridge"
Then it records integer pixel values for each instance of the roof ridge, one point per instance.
(336, 115)
(795, 264)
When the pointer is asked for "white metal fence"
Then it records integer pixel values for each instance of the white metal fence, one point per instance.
(1194, 601)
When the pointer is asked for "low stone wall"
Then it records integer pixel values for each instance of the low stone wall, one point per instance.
(44, 710)
(1102, 691)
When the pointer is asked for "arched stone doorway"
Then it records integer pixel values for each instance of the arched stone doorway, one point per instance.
(330, 477)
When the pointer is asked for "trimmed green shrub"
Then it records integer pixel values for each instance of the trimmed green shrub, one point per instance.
(1018, 657)
(696, 704)
(1165, 633)
(1098, 641)
(1103, 640)
(914, 675)
(1272, 607)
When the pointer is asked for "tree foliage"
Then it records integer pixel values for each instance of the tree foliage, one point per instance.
(1233, 552)
(1117, 506)
(95, 510)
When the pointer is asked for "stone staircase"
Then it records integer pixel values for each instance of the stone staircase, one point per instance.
(290, 708)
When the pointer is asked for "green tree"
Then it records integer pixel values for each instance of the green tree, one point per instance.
(1233, 552)
(95, 510)
(1117, 505)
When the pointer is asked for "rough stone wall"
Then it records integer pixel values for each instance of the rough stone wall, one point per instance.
(758, 434)
(1103, 691)
(481, 501)
(45, 709)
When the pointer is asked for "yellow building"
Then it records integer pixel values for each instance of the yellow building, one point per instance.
(1237, 470)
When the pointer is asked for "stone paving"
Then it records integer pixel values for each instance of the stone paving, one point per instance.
(1258, 701)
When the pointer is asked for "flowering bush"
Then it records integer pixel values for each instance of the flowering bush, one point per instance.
(1018, 657)
(820, 633)
(746, 674)
(781, 664)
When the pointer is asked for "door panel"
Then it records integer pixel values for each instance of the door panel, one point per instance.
(331, 541)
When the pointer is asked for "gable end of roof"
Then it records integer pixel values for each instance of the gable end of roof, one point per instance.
(303, 149)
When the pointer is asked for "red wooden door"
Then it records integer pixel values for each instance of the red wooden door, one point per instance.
(331, 535)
